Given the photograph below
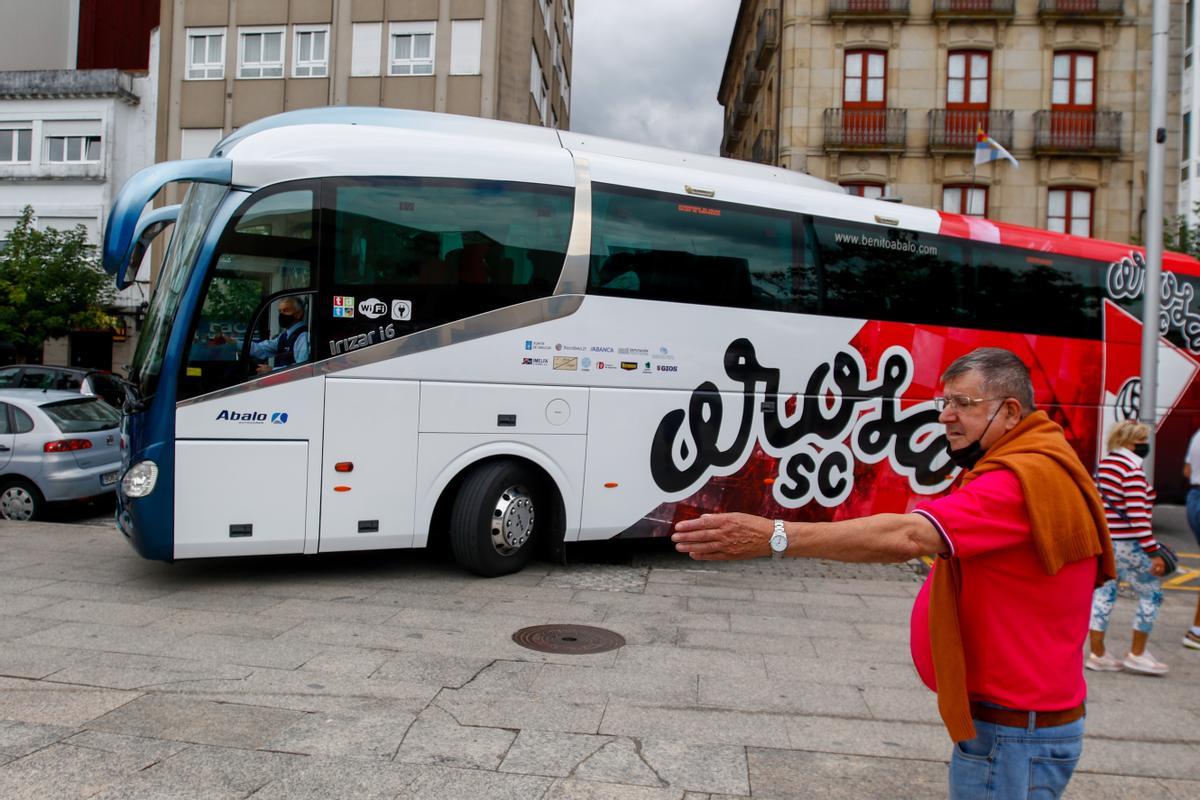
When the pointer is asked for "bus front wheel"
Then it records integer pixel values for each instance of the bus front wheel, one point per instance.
(498, 513)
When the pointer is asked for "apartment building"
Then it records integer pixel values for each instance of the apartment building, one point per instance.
(1189, 101)
(886, 97)
(228, 62)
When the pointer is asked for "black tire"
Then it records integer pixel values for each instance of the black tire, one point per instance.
(20, 500)
(499, 513)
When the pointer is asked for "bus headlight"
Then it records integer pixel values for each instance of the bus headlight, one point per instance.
(139, 479)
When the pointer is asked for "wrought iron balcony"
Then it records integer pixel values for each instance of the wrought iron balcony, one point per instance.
(1085, 133)
(765, 147)
(953, 130)
(975, 9)
(767, 39)
(1081, 9)
(878, 129)
(752, 80)
(878, 9)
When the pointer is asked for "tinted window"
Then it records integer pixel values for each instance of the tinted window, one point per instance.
(82, 416)
(24, 423)
(1029, 292)
(8, 376)
(410, 253)
(4, 424)
(658, 246)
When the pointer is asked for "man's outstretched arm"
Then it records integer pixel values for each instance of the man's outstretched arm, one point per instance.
(882, 538)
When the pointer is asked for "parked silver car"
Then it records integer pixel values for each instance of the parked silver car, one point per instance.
(54, 446)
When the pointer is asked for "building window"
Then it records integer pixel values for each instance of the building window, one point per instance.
(260, 53)
(16, 145)
(567, 20)
(1070, 211)
(1074, 82)
(412, 48)
(205, 54)
(60, 149)
(311, 51)
(1188, 35)
(537, 84)
(1186, 135)
(466, 46)
(873, 191)
(967, 80)
(547, 14)
(968, 200)
(365, 49)
(865, 83)
(198, 142)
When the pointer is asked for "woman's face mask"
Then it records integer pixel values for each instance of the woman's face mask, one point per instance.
(1141, 449)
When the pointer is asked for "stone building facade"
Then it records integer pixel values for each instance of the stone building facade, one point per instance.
(886, 96)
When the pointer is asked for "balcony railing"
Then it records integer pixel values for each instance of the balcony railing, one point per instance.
(764, 147)
(865, 129)
(1077, 132)
(752, 79)
(881, 9)
(952, 129)
(1075, 9)
(767, 39)
(978, 9)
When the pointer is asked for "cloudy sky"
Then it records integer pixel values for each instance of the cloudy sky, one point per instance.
(647, 71)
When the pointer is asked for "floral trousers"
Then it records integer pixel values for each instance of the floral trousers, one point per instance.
(1133, 567)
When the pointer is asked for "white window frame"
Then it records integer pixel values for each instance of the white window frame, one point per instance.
(312, 64)
(466, 47)
(262, 65)
(971, 200)
(398, 29)
(537, 84)
(17, 128)
(212, 70)
(547, 7)
(567, 20)
(83, 148)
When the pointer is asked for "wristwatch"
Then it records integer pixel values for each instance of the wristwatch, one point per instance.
(779, 540)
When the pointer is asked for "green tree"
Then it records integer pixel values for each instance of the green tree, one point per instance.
(50, 284)
(1180, 237)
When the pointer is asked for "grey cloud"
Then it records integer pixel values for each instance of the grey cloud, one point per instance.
(648, 71)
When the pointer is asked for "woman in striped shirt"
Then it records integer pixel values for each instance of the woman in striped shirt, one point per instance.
(1128, 503)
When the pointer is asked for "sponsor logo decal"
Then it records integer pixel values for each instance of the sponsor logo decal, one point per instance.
(372, 308)
(842, 416)
(343, 306)
(600, 365)
(380, 334)
(525, 362)
(279, 418)
(596, 349)
(586, 362)
(628, 365)
(251, 417)
(668, 368)
(402, 310)
(566, 362)
(1126, 280)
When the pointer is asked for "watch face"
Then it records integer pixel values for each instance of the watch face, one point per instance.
(779, 542)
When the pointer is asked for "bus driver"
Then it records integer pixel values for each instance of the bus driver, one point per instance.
(291, 345)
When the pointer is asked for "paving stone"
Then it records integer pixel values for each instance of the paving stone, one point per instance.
(550, 752)
(697, 725)
(22, 738)
(414, 599)
(294, 608)
(436, 738)
(366, 734)
(748, 643)
(519, 710)
(114, 593)
(896, 704)
(98, 611)
(880, 632)
(23, 660)
(461, 621)
(700, 590)
(507, 676)
(326, 778)
(16, 627)
(698, 767)
(575, 789)
(11, 585)
(863, 587)
(869, 738)
(62, 771)
(212, 773)
(199, 721)
(842, 671)
(275, 653)
(1089, 786)
(109, 638)
(628, 601)
(122, 671)
(238, 603)
(492, 590)
(619, 761)
(786, 774)
(695, 660)
(791, 626)
(647, 631)
(526, 612)
(56, 704)
(144, 750)
(1176, 790)
(808, 599)
(359, 662)
(783, 696)
(1142, 718)
(603, 683)
(473, 784)
(431, 668)
(676, 619)
(601, 577)
(187, 621)
(866, 651)
(1141, 759)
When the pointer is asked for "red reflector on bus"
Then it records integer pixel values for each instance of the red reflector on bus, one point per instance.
(610, 485)
(344, 466)
(341, 488)
(67, 445)
(769, 481)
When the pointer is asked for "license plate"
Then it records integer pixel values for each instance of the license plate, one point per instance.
(109, 478)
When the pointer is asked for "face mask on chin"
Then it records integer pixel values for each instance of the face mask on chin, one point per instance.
(967, 457)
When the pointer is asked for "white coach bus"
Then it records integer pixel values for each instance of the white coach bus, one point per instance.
(374, 327)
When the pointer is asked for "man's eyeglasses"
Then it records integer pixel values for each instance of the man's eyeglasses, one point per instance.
(959, 402)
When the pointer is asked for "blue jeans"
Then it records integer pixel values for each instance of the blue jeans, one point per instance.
(1003, 763)
(1193, 511)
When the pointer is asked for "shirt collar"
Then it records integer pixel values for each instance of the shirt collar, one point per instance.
(1132, 456)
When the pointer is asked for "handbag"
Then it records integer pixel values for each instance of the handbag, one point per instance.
(1165, 552)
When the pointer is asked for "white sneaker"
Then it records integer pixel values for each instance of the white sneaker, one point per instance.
(1191, 640)
(1146, 664)
(1104, 663)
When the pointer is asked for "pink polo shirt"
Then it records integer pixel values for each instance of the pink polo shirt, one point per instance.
(1023, 630)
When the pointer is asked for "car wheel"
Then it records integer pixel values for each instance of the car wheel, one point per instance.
(498, 514)
(20, 501)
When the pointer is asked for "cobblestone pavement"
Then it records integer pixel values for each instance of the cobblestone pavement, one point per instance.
(395, 676)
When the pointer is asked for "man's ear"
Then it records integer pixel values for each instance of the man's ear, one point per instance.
(1014, 413)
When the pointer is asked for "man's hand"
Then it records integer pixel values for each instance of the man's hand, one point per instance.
(1158, 567)
(724, 537)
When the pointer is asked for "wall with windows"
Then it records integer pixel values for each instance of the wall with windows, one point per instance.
(234, 62)
(1189, 146)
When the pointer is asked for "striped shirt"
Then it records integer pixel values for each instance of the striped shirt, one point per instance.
(1128, 498)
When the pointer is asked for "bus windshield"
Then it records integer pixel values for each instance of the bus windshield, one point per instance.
(198, 206)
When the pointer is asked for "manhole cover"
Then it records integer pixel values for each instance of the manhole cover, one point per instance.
(569, 639)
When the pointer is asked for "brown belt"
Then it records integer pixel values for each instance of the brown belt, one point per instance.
(1020, 719)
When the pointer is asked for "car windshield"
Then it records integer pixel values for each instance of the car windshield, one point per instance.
(85, 415)
(198, 207)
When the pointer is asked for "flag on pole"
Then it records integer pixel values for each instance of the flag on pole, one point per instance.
(988, 149)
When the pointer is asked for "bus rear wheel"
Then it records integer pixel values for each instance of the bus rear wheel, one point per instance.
(498, 512)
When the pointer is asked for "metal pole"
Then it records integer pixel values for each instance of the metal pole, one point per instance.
(1152, 294)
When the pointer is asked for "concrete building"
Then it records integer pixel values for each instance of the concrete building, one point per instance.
(228, 62)
(71, 136)
(885, 97)
(1189, 140)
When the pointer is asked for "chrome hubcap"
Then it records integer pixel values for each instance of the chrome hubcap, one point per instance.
(16, 503)
(512, 520)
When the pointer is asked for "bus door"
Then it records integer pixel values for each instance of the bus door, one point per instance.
(250, 412)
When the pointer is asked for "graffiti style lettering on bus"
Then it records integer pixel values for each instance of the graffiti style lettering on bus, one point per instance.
(1126, 280)
(842, 417)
